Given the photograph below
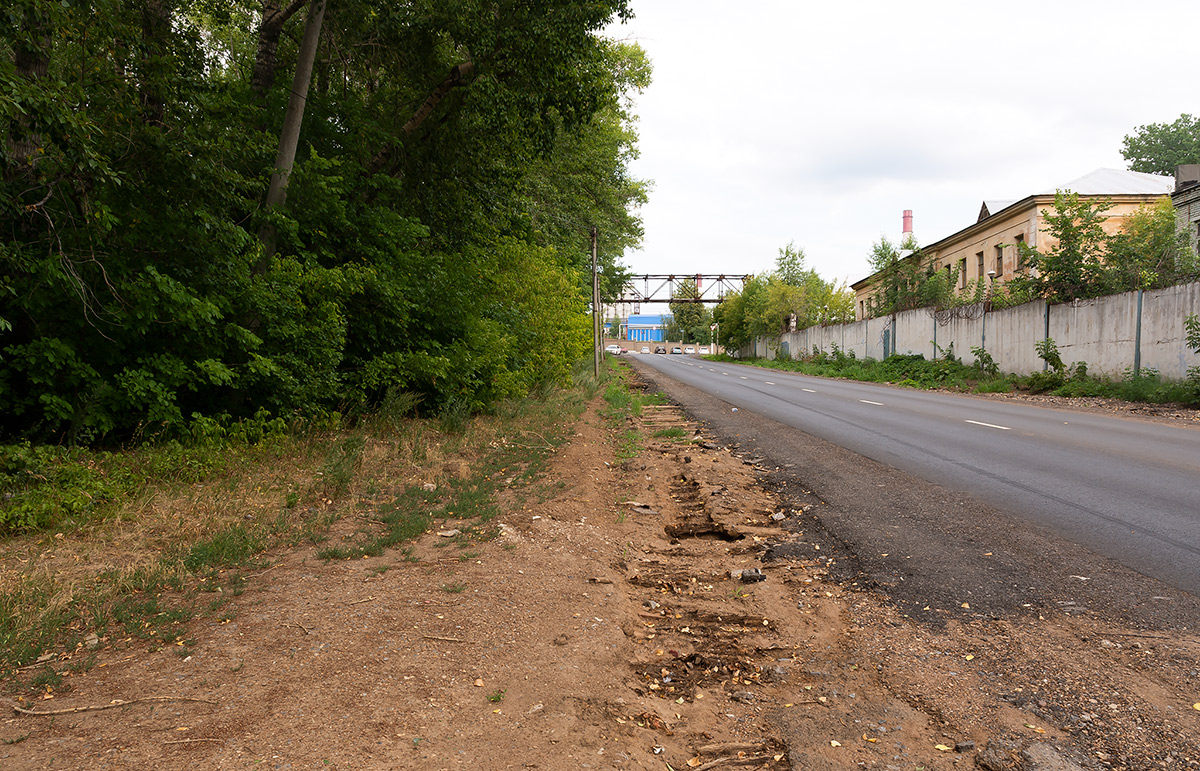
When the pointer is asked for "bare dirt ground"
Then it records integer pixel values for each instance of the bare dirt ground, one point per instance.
(606, 628)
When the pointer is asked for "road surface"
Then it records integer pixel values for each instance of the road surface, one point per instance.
(1127, 489)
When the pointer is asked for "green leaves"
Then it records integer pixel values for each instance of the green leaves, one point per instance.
(1157, 148)
(443, 260)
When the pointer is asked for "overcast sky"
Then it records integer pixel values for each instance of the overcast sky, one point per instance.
(771, 121)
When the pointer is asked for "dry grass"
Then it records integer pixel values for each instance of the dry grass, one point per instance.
(165, 540)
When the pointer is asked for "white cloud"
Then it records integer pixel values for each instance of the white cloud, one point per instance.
(770, 121)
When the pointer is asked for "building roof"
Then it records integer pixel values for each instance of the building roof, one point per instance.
(1101, 182)
(991, 207)
(1098, 182)
(1117, 182)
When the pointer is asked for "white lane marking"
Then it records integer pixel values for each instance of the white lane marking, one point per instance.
(723, 373)
(989, 425)
(768, 382)
(809, 390)
(743, 377)
(868, 401)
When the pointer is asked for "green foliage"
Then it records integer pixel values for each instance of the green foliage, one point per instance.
(1151, 251)
(984, 362)
(908, 281)
(1073, 268)
(767, 303)
(1191, 327)
(1047, 351)
(136, 300)
(1157, 148)
(1148, 253)
(690, 321)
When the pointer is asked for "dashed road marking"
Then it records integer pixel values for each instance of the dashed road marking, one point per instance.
(989, 425)
(868, 401)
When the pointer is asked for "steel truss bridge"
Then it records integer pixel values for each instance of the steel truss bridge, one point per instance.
(660, 288)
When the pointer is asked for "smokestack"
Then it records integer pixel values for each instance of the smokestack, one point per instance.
(908, 222)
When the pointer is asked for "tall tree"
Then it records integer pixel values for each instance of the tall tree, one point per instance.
(1073, 268)
(1157, 148)
(289, 136)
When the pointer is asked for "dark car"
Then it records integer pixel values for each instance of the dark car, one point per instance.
(660, 349)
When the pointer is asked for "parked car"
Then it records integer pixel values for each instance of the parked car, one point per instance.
(676, 349)
(703, 350)
(645, 349)
(615, 350)
(659, 349)
(689, 350)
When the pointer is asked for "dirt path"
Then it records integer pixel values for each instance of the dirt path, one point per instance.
(595, 633)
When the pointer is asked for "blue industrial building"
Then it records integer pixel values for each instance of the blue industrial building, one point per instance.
(648, 328)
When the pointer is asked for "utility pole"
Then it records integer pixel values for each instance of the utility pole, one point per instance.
(595, 308)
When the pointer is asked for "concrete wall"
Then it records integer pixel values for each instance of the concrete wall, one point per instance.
(1101, 332)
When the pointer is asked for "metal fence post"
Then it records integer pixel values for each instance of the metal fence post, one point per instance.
(1137, 339)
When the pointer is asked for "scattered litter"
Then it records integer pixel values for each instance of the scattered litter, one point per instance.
(449, 533)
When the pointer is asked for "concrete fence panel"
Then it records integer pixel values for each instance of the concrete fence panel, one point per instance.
(1164, 341)
(1104, 333)
(1100, 332)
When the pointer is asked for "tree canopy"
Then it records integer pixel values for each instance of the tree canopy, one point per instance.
(1084, 261)
(690, 321)
(1157, 148)
(449, 161)
(771, 303)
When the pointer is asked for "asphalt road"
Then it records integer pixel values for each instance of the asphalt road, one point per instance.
(1126, 489)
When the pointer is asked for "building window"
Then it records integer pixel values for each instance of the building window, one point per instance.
(979, 259)
(999, 260)
(1020, 259)
(962, 273)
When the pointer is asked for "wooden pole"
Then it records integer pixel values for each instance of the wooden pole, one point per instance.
(596, 338)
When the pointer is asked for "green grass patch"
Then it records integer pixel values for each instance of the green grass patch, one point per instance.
(915, 371)
(60, 489)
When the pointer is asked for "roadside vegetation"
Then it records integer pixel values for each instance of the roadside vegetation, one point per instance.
(185, 251)
(125, 547)
(949, 373)
(624, 402)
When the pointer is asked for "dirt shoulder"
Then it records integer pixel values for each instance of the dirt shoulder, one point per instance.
(606, 628)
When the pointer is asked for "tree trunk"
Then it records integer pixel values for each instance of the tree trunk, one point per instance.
(156, 26)
(31, 59)
(269, 30)
(289, 135)
(460, 74)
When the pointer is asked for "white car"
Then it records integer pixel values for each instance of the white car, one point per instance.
(689, 350)
(614, 349)
(703, 349)
(645, 349)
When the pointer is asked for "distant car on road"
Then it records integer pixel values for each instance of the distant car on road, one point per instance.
(645, 349)
(615, 350)
(689, 350)
(659, 349)
(703, 349)
(676, 349)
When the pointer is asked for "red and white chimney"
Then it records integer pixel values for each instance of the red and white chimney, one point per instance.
(907, 223)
